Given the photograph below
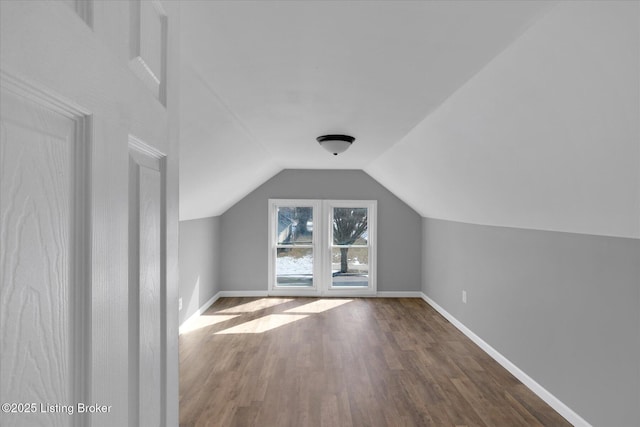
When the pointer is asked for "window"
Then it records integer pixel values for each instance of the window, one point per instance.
(294, 246)
(322, 247)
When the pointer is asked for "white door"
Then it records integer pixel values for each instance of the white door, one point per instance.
(322, 247)
(88, 213)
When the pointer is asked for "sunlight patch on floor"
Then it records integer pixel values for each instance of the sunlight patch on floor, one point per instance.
(206, 320)
(319, 306)
(263, 324)
(256, 305)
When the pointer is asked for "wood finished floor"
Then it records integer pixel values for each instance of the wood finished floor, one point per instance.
(274, 362)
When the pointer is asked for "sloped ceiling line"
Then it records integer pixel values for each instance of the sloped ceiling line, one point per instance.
(545, 137)
(230, 111)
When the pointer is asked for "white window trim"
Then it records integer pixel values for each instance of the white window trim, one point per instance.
(372, 206)
(322, 218)
(273, 289)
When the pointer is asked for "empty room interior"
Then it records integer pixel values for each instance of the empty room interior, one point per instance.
(320, 213)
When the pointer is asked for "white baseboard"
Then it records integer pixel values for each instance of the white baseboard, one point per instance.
(380, 294)
(540, 391)
(399, 294)
(185, 325)
(242, 293)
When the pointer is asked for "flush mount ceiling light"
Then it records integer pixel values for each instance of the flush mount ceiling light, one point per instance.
(335, 144)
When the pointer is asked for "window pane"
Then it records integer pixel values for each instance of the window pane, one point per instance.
(295, 225)
(294, 267)
(350, 226)
(350, 267)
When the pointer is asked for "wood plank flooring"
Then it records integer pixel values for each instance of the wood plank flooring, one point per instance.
(274, 362)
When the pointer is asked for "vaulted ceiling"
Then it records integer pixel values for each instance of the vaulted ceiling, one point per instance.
(439, 95)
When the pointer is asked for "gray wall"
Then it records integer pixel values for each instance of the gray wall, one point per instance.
(199, 263)
(564, 308)
(244, 228)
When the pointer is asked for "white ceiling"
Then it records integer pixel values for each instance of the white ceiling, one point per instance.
(261, 80)
(546, 137)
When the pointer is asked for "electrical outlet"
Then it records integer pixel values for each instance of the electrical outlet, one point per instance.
(464, 297)
(179, 304)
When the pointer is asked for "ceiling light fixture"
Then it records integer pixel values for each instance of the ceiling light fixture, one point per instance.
(335, 144)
